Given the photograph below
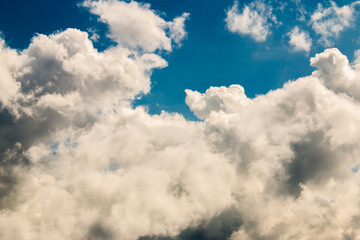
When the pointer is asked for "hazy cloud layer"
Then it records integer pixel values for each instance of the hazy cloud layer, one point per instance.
(78, 162)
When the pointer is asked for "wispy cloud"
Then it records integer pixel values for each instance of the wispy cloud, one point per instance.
(331, 21)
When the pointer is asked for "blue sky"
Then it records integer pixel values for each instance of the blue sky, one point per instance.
(210, 55)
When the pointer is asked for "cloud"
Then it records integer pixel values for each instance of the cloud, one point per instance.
(294, 149)
(134, 25)
(216, 99)
(145, 175)
(300, 40)
(177, 28)
(67, 125)
(255, 20)
(8, 85)
(78, 162)
(330, 22)
(78, 86)
(336, 72)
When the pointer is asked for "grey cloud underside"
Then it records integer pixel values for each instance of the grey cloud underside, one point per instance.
(78, 162)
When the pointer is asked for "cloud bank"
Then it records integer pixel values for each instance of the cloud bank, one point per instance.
(78, 162)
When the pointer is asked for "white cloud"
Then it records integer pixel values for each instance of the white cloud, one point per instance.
(330, 22)
(134, 25)
(300, 40)
(254, 20)
(8, 62)
(129, 175)
(282, 161)
(78, 86)
(73, 65)
(337, 74)
(216, 99)
(177, 28)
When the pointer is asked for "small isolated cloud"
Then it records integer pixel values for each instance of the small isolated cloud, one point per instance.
(134, 25)
(299, 40)
(255, 20)
(330, 22)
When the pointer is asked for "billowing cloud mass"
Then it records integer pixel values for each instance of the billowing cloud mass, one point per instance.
(255, 20)
(330, 22)
(78, 162)
(300, 40)
(295, 151)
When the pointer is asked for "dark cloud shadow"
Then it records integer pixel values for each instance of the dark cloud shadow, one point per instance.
(218, 228)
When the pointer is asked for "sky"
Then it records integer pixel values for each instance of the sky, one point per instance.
(179, 120)
(259, 66)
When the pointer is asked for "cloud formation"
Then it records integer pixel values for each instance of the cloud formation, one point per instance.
(78, 162)
(330, 22)
(325, 23)
(300, 40)
(254, 20)
(134, 25)
(294, 150)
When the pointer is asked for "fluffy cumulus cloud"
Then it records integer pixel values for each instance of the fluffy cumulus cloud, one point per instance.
(254, 20)
(135, 25)
(331, 21)
(78, 162)
(299, 40)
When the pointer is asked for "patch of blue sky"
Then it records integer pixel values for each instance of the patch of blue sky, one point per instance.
(356, 168)
(54, 147)
(68, 143)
